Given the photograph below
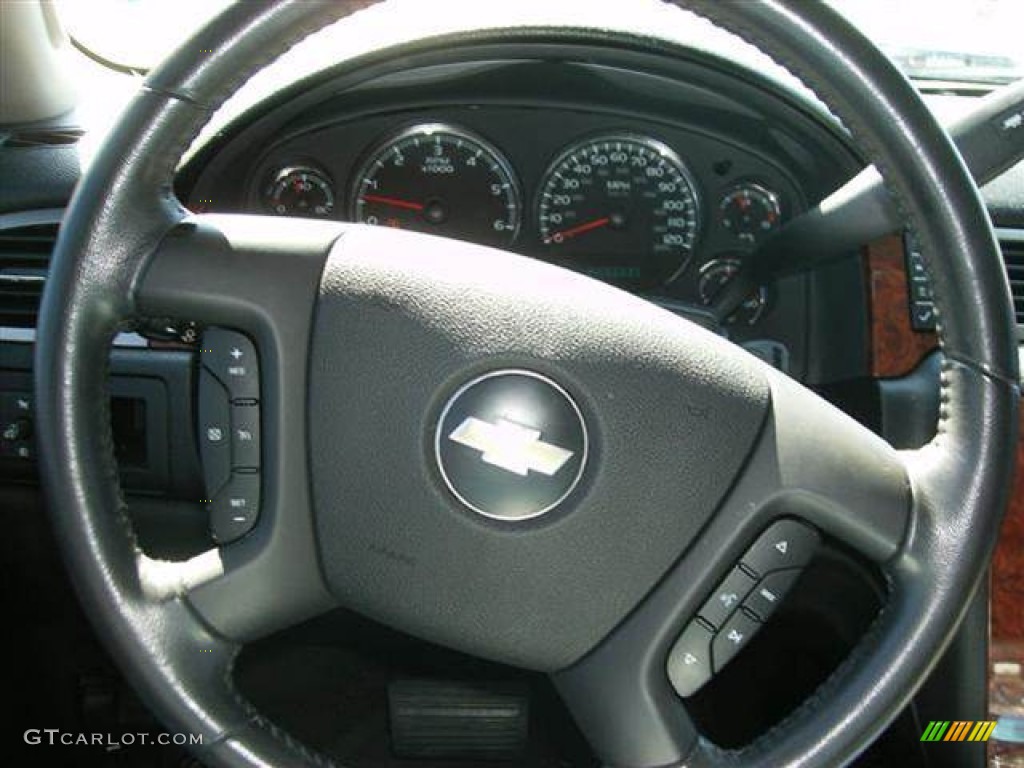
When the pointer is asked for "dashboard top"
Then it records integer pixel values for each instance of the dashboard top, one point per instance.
(656, 170)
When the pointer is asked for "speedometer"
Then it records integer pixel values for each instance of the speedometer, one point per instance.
(622, 203)
(441, 180)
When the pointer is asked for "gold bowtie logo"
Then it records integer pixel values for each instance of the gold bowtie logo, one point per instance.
(511, 446)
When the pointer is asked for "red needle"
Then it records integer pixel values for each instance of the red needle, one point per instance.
(393, 201)
(579, 230)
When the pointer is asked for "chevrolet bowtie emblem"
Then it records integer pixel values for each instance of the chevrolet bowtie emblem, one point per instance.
(512, 447)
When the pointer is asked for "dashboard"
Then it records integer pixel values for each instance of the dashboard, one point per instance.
(659, 174)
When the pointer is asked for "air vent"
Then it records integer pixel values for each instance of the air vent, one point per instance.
(55, 137)
(1013, 256)
(24, 260)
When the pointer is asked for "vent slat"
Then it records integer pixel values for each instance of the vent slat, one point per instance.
(56, 137)
(24, 260)
(1013, 258)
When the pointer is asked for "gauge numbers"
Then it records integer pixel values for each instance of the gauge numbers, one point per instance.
(441, 180)
(750, 212)
(300, 190)
(621, 199)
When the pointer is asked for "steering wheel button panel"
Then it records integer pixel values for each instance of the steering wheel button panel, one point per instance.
(689, 662)
(229, 432)
(231, 357)
(736, 609)
(732, 638)
(234, 510)
(214, 431)
(768, 593)
(727, 598)
(786, 544)
(245, 435)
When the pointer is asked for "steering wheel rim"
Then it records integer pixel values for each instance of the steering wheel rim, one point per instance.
(124, 212)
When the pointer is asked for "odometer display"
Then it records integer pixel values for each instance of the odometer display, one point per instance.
(620, 201)
(440, 180)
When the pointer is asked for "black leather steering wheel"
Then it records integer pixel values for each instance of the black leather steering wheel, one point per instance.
(361, 346)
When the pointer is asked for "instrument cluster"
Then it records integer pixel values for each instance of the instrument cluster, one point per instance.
(623, 206)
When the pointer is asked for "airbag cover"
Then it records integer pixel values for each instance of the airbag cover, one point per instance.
(403, 322)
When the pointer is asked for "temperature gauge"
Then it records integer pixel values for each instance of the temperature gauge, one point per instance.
(750, 212)
(300, 191)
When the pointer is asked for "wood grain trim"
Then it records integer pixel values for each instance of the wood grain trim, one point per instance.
(896, 348)
(1008, 563)
(1006, 624)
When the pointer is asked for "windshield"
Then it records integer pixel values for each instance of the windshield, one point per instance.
(970, 41)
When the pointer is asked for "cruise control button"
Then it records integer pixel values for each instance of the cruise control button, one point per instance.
(234, 510)
(231, 357)
(732, 638)
(727, 597)
(245, 436)
(786, 544)
(769, 593)
(689, 663)
(214, 432)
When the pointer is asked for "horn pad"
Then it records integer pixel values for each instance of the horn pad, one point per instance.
(507, 456)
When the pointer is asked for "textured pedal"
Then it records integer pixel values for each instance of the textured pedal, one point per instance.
(451, 720)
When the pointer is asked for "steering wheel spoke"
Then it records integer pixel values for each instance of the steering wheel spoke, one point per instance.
(258, 277)
(816, 463)
(252, 273)
(813, 473)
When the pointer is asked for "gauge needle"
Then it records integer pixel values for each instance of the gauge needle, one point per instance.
(393, 201)
(579, 230)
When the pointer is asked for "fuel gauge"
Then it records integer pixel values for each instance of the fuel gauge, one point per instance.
(300, 191)
(750, 212)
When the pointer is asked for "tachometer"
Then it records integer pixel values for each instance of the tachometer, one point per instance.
(620, 200)
(441, 180)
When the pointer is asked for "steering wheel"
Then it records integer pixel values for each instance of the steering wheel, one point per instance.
(370, 340)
